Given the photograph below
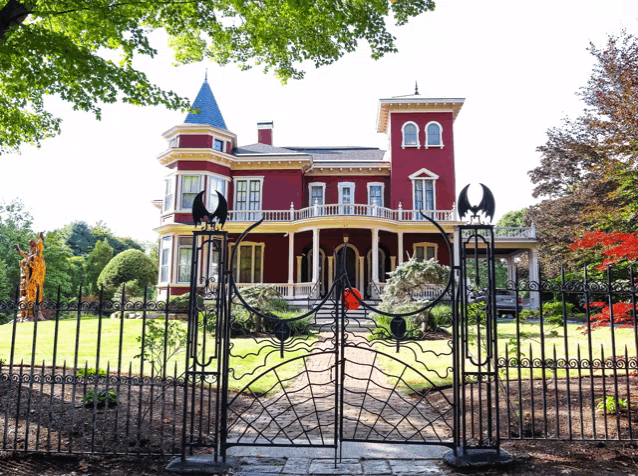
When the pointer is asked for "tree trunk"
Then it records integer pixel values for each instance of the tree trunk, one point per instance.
(12, 14)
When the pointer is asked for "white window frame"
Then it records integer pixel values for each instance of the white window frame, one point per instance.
(423, 174)
(425, 245)
(252, 244)
(167, 239)
(180, 186)
(247, 213)
(440, 135)
(323, 192)
(181, 247)
(173, 143)
(377, 184)
(223, 144)
(346, 207)
(169, 183)
(209, 179)
(418, 141)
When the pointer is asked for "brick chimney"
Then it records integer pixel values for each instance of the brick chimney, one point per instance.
(264, 132)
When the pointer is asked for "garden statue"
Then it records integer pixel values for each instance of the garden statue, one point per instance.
(32, 271)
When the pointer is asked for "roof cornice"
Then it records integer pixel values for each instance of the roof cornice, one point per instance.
(416, 104)
(197, 129)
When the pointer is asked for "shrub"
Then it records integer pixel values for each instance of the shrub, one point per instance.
(440, 316)
(100, 399)
(608, 405)
(556, 308)
(158, 334)
(131, 267)
(90, 372)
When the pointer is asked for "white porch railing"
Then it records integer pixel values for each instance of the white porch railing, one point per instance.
(528, 232)
(287, 290)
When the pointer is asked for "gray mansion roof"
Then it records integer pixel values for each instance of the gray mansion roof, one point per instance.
(318, 154)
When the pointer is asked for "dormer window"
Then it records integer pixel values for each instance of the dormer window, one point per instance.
(218, 145)
(433, 135)
(410, 135)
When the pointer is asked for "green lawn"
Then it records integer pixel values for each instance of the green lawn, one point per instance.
(421, 355)
(87, 350)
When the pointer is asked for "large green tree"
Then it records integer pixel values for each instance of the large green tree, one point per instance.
(64, 47)
(587, 172)
(15, 228)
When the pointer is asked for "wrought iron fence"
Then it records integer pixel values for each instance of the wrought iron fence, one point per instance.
(97, 375)
(568, 370)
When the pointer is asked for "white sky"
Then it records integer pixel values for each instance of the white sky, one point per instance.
(518, 64)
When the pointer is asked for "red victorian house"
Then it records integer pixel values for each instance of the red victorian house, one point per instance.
(319, 202)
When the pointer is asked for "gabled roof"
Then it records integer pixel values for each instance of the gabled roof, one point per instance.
(209, 112)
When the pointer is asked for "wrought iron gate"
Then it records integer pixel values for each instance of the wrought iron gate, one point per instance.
(338, 374)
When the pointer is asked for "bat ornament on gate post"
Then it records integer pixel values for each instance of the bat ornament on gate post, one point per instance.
(201, 214)
(486, 207)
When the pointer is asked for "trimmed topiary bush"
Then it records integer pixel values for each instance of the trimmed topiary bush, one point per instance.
(131, 267)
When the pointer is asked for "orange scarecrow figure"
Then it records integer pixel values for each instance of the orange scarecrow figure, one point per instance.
(32, 271)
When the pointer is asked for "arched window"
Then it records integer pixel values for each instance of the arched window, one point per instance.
(410, 135)
(433, 135)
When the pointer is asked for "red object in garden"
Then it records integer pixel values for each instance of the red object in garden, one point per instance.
(350, 300)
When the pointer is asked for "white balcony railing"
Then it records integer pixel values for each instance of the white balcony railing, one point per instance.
(316, 211)
(288, 291)
(523, 232)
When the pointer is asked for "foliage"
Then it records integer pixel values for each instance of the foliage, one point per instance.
(100, 399)
(623, 314)
(514, 218)
(158, 335)
(132, 267)
(96, 261)
(556, 309)
(500, 269)
(587, 170)
(441, 316)
(58, 275)
(614, 246)
(79, 237)
(90, 372)
(16, 225)
(70, 48)
(400, 294)
(608, 404)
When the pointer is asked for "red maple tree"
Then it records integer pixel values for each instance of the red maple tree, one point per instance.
(616, 246)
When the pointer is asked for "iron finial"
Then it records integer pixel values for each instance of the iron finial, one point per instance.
(416, 88)
(206, 75)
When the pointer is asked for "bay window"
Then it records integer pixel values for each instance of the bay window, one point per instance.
(169, 190)
(191, 186)
(215, 184)
(185, 254)
(165, 259)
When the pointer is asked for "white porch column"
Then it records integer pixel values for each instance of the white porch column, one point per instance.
(361, 271)
(315, 255)
(291, 258)
(534, 298)
(299, 277)
(330, 271)
(511, 269)
(400, 251)
(393, 263)
(375, 255)
(457, 246)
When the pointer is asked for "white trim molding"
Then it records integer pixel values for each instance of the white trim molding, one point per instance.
(424, 175)
(440, 144)
(418, 142)
(419, 174)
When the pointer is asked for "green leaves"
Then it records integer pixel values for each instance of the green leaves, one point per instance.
(60, 47)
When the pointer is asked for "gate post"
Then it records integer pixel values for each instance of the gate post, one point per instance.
(476, 396)
(208, 280)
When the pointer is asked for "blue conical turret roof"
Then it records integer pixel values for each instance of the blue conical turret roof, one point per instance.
(209, 112)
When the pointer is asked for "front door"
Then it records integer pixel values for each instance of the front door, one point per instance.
(350, 265)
